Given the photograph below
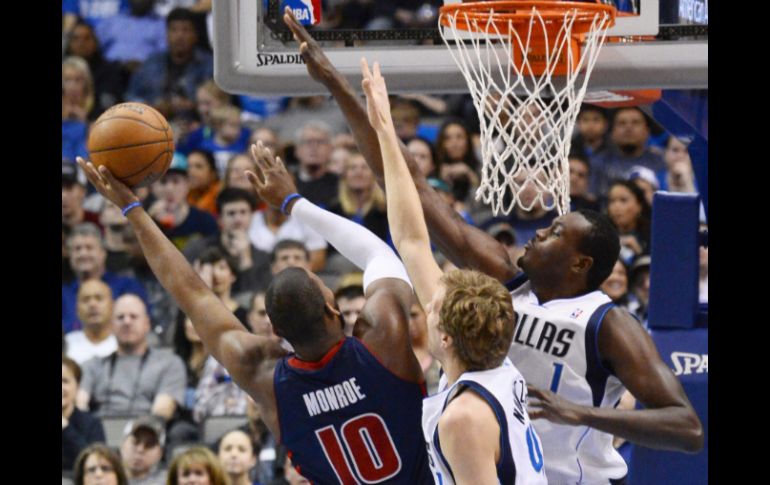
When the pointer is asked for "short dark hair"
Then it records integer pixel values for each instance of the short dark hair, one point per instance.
(580, 158)
(288, 244)
(602, 243)
(234, 194)
(349, 292)
(297, 323)
(180, 13)
(210, 160)
(585, 107)
(214, 254)
(633, 108)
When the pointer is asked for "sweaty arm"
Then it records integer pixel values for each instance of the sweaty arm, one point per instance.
(472, 456)
(240, 351)
(465, 245)
(668, 421)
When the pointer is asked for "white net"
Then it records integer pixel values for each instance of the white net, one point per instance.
(526, 118)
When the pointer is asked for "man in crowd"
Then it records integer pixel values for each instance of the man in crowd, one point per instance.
(95, 314)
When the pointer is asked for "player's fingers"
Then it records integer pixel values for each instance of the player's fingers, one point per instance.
(279, 164)
(376, 70)
(534, 391)
(254, 179)
(256, 154)
(535, 414)
(105, 172)
(267, 153)
(365, 68)
(88, 169)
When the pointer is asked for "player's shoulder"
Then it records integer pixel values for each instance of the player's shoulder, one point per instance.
(467, 411)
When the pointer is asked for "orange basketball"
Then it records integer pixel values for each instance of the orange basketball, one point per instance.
(134, 141)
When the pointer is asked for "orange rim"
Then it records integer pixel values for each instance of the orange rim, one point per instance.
(519, 12)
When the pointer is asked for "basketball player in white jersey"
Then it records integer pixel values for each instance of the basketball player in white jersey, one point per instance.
(470, 326)
(592, 349)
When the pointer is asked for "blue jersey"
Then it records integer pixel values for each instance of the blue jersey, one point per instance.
(347, 419)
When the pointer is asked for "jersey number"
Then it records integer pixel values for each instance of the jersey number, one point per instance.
(367, 441)
(556, 377)
(535, 454)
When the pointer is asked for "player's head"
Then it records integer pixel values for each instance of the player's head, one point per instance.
(579, 248)
(301, 307)
(470, 319)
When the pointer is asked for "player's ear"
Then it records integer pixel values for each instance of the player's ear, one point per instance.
(330, 310)
(582, 264)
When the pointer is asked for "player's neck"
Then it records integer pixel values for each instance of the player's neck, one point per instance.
(453, 370)
(546, 293)
(319, 349)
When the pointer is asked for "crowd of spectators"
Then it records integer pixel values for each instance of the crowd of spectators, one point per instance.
(127, 349)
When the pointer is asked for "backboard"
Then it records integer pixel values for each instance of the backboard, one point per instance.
(649, 47)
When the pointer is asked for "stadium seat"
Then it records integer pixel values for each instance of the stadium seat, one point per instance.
(114, 427)
(214, 427)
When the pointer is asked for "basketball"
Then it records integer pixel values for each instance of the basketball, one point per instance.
(134, 141)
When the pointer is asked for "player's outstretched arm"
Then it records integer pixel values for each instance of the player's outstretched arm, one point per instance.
(464, 244)
(405, 216)
(386, 284)
(668, 421)
(240, 351)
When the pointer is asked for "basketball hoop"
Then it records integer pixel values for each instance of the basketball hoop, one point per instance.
(522, 62)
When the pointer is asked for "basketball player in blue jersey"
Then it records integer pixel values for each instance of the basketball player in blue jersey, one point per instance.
(347, 409)
(470, 327)
(580, 350)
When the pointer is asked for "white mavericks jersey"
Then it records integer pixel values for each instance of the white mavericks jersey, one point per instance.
(555, 346)
(504, 389)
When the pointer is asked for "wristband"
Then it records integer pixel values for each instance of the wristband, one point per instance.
(130, 206)
(288, 199)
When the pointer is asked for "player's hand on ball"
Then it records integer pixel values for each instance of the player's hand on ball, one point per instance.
(111, 188)
(543, 404)
(377, 102)
(272, 181)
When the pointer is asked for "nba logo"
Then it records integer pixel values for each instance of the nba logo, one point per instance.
(576, 313)
(308, 12)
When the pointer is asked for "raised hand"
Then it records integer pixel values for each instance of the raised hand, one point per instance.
(318, 65)
(377, 102)
(274, 182)
(111, 188)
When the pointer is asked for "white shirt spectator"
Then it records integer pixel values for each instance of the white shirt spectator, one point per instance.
(263, 238)
(80, 349)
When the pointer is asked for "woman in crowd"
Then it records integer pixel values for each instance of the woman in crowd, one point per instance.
(423, 153)
(237, 453)
(204, 181)
(77, 97)
(455, 160)
(631, 215)
(99, 465)
(617, 288)
(78, 428)
(197, 466)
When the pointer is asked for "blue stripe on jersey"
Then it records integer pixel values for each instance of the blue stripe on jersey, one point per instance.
(517, 281)
(437, 447)
(506, 469)
(596, 373)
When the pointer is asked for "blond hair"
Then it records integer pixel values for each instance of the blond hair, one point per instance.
(198, 455)
(211, 87)
(80, 65)
(348, 202)
(477, 313)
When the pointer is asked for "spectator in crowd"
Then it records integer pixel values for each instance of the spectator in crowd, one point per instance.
(78, 429)
(135, 379)
(679, 175)
(313, 149)
(218, 270)
(631, 215)
(360, 199)
(506, 235)
(99, 465)
(208, 97)
(406, 118)
(77, 96)
(235, 172)
(142, 451)
(237, 453)
(92, 11)
(630, 135)
(109, 81)
(268, 137)
(131, 37)
(94, 307)
(87, 259)
(168, 79)
(454, 196)
(271, 226)
(73, 192)
(579, 176)
(645, 179)
(217, 394)
(302, 109)
(422, 152)
(338, 160)
(114, 224)
(616, 287)
(181, 222)
(289, 253)
(235, 208)
(675, 150)
(418, 332)
(259, 322)
(228, 138)
(196, 465)
(163, 310)
(204, 181)
(591, 131)
(455, 160)
(640, 286)
(189, 347)
(350, 301)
